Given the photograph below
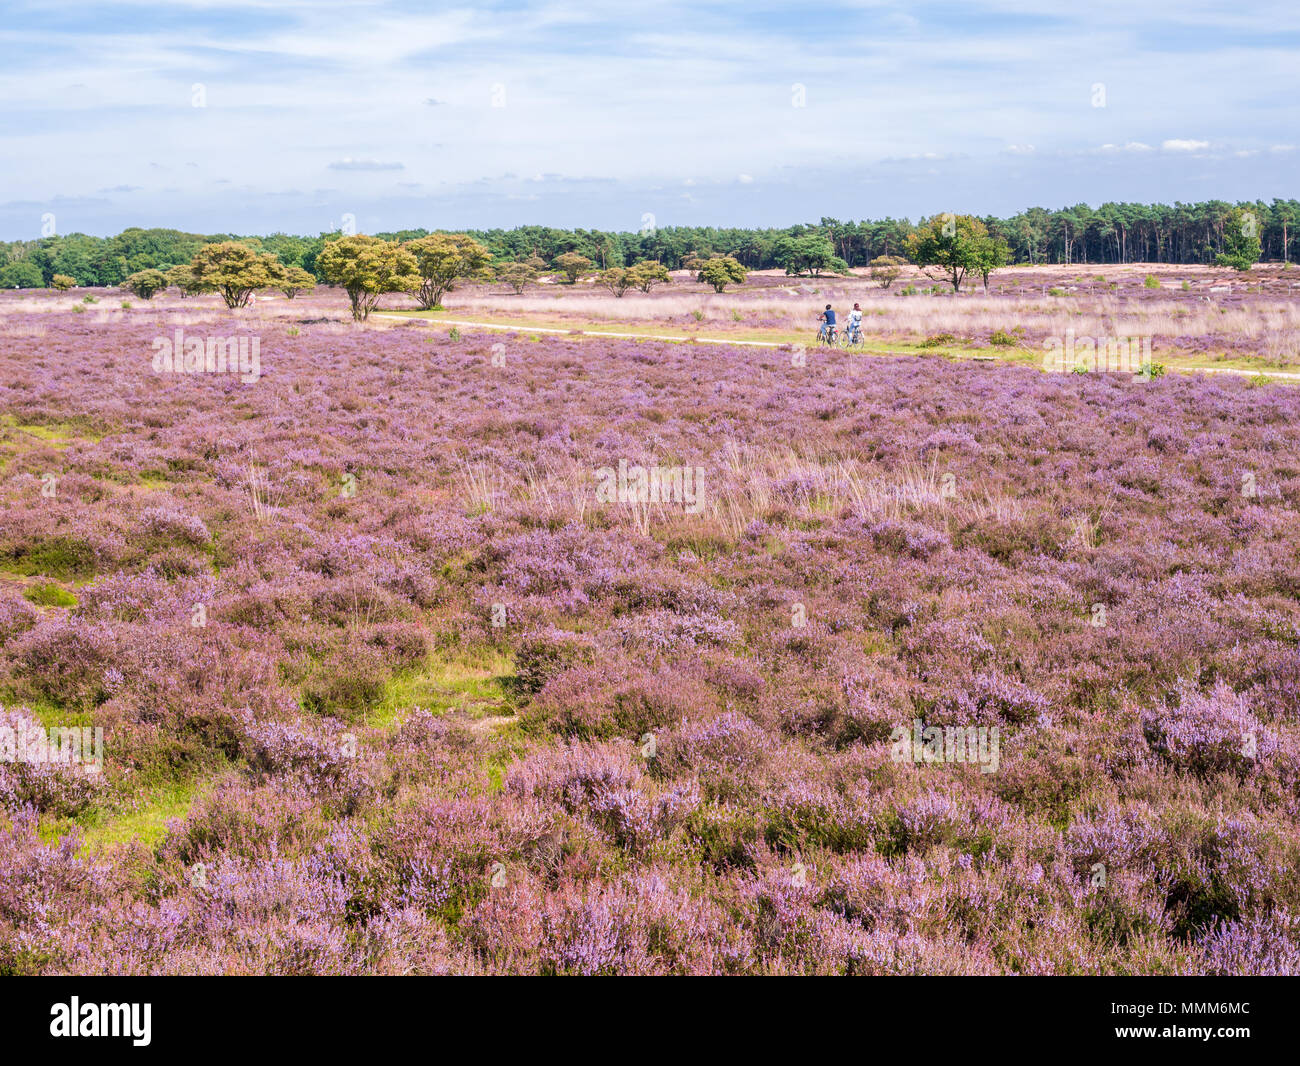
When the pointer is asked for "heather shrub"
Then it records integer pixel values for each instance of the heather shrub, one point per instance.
(166, 522)
(908, 538)
(599, 782)
(1210, 733)
(1264, 945)
(317, 757)
(232, 818)
(600, 702)
(63, 661)
(346, 680)
(16, 615)
(545, 653)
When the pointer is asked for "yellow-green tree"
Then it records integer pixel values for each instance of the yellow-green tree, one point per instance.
(441, 260)
(572, 266)
(649, 273)
(366, 268)
(616, 279)
(62, 282)
(296, 280)
(234, 270)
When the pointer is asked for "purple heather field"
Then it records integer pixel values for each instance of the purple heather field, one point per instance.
(388, 683)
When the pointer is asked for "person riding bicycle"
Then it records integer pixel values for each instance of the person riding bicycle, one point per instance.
(855, 323)
(827, 319)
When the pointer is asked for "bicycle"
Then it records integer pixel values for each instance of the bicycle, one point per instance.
(851, 338)
(828, 335)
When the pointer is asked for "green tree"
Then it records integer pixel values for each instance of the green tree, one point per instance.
(441, 260)
(649, 273)
(572, 266)
(1241, 245)
(296, 280)
(956, 244)
(234, 270)
(62, 282)
(146, 283)
(808, 253)
(517, 275)
(367, 267)
(990, 254)
(23, 274)
(616, 279)
(721, 271)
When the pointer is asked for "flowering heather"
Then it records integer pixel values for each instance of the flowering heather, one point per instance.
(385, 685)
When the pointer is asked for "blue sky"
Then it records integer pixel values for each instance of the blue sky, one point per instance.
(597, 114)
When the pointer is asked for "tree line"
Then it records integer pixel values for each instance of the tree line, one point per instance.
(1113, 233)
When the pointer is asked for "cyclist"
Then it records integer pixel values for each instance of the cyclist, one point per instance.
(855, 324)
(827, 319)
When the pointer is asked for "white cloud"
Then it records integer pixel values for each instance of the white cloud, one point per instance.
(1177, 145)
(349, 163)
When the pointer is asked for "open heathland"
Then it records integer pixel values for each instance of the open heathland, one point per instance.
(398, 671)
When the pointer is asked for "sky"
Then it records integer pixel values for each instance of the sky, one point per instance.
(247, 117)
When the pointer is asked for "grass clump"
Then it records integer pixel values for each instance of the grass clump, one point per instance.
(48, 594)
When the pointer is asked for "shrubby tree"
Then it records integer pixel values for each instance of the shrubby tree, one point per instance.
(296, 280)
(572, 266)
(517, 275)
(234, 270)
(721, 271)
(366, 268)
(885, 269)
(146, 283)
(1241, 245)
(649, 273)
(441, 260)
(62, 282)
(616, 279)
